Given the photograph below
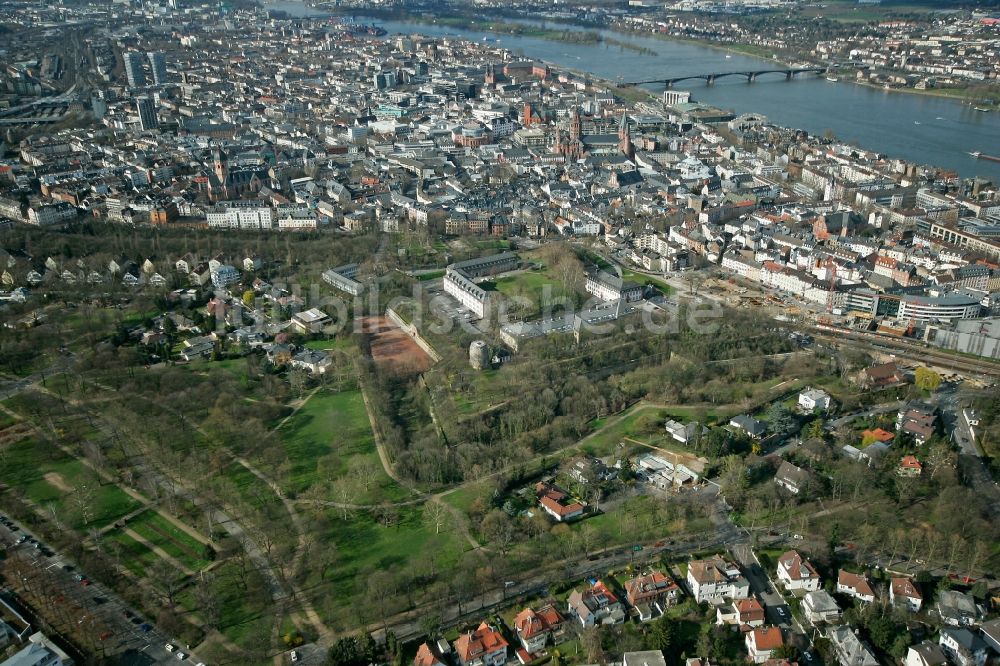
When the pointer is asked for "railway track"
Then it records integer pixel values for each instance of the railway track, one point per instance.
(908, 350)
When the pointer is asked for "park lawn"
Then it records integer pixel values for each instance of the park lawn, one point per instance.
(533, 285)
(463, 498)
(328, 435)
(648, 279)
(22, 402)
(26, 466)
(335, 343)
(134, 556)
(635, 422)
(528, 281)
(364, 545)
(174, 541)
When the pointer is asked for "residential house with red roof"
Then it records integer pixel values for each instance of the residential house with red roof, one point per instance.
(428, 655)
(877, 435)
(745, 613)
(655, 589)
(797, 573)
(762, 642)
(903, 593)
(716, 579)
(855, 585)
(556, 503)
(483, 647)
(535, 627)
(909, 466)
(881, 376)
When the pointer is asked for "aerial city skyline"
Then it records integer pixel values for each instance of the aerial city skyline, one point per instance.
(645, 332)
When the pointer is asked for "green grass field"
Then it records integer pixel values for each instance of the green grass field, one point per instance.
(69, 488)
(327, 438)
(132, 555)
(533, 286)
(336, 343)
(647, 279)
(364, 546)
(463, 498)
(635, 422)
(174, 541)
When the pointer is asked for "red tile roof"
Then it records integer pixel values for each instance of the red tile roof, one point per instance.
(878, 434)
(798, 567)
(767, 638)
(652, 586)
(750, 610)
(903, 587)
(856, 582)
(484, 640)
(427, 656)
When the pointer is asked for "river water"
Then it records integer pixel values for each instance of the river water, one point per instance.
(919, 128)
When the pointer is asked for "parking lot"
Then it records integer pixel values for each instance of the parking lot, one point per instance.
(91, 617)
(446, 307)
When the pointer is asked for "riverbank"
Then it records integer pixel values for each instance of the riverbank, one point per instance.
(749, 50)
(586, 33)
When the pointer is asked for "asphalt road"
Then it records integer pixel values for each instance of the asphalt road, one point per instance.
(973, 468)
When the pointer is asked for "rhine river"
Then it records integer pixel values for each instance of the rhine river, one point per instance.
(920, 128)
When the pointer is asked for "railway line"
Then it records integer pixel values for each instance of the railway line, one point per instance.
(912, 351)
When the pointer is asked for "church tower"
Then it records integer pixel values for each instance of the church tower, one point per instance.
(575, 126)
(625, 138)
(220, 164)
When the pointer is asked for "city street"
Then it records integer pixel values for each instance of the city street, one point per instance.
(74, 597)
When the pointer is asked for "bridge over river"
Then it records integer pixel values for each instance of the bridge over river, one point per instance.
(750, 75)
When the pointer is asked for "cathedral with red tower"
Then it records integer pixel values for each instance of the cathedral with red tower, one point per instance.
(625, 138)
(571, 148)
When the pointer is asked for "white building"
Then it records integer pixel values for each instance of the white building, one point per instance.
(465, 291)
(849, 649)
(224, 275)
(820, 608)
(925, 654)
(716, 579)
(904, 593)
(797, 573)
(311, 321)
(40, 651)
(609, 287)
(855, 585)
(762, 642)
(297, 219)
(812, 399)
(249, 215)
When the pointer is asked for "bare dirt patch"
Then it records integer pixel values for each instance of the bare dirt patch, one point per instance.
(55, 480)
(392, 346)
